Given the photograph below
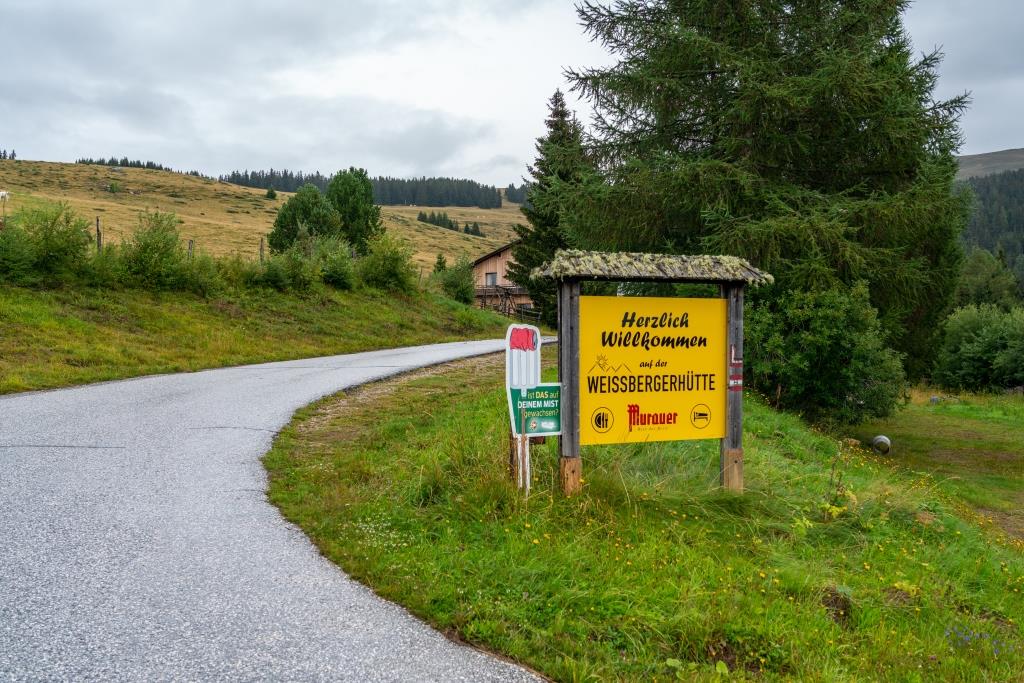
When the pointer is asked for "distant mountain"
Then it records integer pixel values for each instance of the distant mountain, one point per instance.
(977, 165)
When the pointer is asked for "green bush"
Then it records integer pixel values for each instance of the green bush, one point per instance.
(823, 354)
(153, 257)
(58, 237)
(238, 272)
(17, 257)
(291, 270)
(387, 265)
(275, 275)
(335, 257)
(200, 275)
(457, 281)
(983, 349)
(309, 209)
(106, 269)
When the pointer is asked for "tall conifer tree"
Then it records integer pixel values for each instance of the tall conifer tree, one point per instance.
(801, 134)
(560, 161)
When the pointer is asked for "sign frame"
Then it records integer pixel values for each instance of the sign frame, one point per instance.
(652, 369)
(731, 445)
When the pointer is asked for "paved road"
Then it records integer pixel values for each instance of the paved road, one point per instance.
(136, 542)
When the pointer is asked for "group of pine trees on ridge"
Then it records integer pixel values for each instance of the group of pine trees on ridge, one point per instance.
(442, 220)
(435, 192)
(516, 195)
(125, 162)
(284, 181)
(386, 191)
(4, 155)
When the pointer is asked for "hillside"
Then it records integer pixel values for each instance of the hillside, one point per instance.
(222, 218)
(997, 222)
(977, 165)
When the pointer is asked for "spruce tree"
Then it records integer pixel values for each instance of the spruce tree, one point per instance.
(802, 135)
(351, 194)
(560, 163)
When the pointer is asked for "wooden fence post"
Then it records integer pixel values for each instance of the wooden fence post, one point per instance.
(569, 465)
(732, 444)
(261, 249)
(191, 246)
(99, 236)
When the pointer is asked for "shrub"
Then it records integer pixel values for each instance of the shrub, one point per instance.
(17, 258)
(457, 281)
(271, 193)
(335, 257)
(388, 265)
(153, 257)
(823, 354)
(275, 274)
(106, 269)
(58, 237)
(307, 207)
(200, 275)
(291, 270)
(983, 349)
(236, 271)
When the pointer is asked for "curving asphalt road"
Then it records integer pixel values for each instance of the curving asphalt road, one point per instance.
(136, 542)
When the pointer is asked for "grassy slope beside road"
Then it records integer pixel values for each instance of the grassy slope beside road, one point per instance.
(54, 338)
(651, 573)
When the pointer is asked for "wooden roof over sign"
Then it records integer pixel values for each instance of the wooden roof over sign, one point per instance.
(573, 264)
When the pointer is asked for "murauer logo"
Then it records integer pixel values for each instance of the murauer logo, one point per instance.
(641, 419)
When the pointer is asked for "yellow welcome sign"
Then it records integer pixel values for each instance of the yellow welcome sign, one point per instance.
(651, 369)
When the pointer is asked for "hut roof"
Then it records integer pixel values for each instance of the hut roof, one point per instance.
(574, 264)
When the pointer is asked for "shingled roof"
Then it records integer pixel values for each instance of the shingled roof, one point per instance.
(574, 264)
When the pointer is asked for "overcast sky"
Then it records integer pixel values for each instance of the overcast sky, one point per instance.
(400, 87)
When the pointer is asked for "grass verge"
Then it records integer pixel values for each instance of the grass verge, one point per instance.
(62, 337)
(832, 567)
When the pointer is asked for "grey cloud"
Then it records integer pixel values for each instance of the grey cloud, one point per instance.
(186, 83)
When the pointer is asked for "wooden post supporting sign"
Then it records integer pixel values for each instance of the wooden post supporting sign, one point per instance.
(732, 443)
(570, 468)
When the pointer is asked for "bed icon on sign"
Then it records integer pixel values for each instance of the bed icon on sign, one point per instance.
(522, 357)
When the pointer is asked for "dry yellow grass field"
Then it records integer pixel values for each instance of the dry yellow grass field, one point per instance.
(223, 218)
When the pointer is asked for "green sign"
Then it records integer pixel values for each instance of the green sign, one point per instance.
(536, 411)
